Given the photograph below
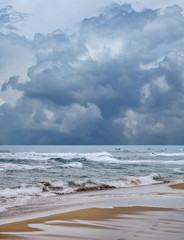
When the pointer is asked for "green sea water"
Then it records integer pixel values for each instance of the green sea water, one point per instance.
(48, 171)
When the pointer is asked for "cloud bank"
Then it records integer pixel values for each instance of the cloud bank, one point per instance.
(118, 79)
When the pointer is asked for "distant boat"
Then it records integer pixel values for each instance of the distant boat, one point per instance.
(118, 149)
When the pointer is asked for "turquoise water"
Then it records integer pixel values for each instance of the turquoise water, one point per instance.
(46, 171)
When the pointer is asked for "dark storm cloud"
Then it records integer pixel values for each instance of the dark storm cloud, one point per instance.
(118, 79)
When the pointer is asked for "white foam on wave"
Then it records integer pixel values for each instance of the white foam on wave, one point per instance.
(59, 184)
(168, 154)
(101, 157)
(26, 156)
(98, 157)
(179, 170)
(13, 197)
(131, 181)
(117, 183)
(134, 181)
(73, 165)
(22, 191)
(143, 180)
(13, 166)
(14, 202)
(153, 161)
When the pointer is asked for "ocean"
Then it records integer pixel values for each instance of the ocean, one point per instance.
(39, 174)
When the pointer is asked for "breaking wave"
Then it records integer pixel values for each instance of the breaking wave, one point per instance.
(10, 197)
(98, 157)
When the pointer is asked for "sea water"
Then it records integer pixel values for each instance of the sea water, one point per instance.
(29, 172)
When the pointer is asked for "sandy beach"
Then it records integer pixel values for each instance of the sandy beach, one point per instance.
(177, 186)
(159, 215)
(101, 223)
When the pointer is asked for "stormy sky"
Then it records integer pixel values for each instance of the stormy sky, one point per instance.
(91, 72)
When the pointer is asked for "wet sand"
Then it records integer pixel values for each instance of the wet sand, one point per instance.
(177, 186)
(114, 221)
(10, 236)
(110, 223)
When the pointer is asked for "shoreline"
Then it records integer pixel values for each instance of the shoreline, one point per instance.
(114, 215)
(72, 201)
